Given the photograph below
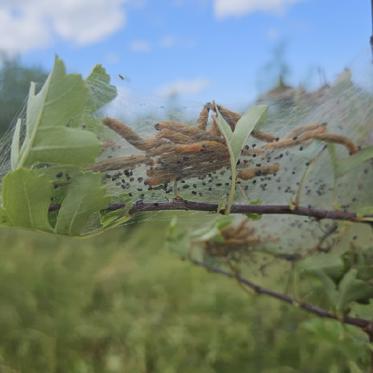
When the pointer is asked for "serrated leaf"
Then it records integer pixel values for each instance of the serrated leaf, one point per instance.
(101, 91)
(54, 113)
(85, 197)
(352, 289)
(245, 126)
(355, 160)
(26, 199)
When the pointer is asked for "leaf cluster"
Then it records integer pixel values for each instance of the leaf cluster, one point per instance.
(51, 149)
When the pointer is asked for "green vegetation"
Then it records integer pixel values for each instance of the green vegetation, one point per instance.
(123, 303)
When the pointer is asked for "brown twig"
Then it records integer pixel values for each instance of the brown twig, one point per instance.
(141, 206)
(181, 204)
(363, 324)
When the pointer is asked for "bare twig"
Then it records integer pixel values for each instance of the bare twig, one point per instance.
(363, 324)
(181, 204)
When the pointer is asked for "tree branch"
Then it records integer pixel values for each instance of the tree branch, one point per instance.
(184, 205)
(141, 206)
(365, 325)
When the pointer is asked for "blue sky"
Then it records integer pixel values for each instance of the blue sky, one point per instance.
(201, 49)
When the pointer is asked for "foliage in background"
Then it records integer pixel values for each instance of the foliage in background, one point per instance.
(122, 303)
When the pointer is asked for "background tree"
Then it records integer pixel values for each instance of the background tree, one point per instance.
(14, 85)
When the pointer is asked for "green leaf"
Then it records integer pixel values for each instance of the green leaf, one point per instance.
(364, 311)
(85, 198)
(326, 268)
(26, 199)
(329, 287)
(63, 145)
(115, 219)
(355, 160)
(15, 147)
(212, 234)
(236, 141)
(51, 119)
(328, 331)
(225, 129)
(331, 264)
(245, 126)
(101, 92)
(223, 222)
(352, 289)
(254, 216)
(177, 239)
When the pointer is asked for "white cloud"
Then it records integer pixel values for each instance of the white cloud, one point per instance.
(31, 24)
(228, 8)
(21, 32)
(140, 46)
(183, 87)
